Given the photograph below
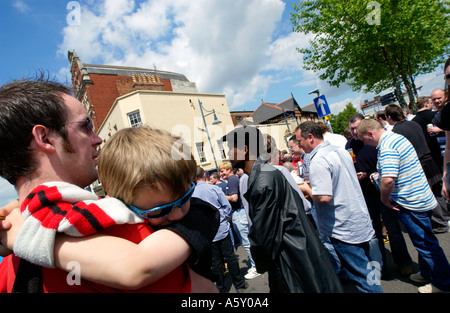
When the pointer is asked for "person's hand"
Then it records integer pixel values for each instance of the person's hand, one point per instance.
(433, 130)
(5, 224)
(374, 177)
(305, 188)
(446, 189)
(361, 175)
(5, 210)
(10, 228)
(390, 204)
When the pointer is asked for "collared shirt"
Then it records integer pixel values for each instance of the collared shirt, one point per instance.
(397, 158)
(215, 196)
(346, 216)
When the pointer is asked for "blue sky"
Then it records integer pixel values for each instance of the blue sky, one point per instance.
(244, 49)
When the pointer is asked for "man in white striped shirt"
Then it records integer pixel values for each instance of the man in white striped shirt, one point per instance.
(404, 188)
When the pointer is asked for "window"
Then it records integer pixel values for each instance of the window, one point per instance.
(201, 152)
(135, 118)
(221, 149)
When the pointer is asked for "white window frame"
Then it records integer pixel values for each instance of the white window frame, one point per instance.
(134, 118)
(201, 152)
(223, 154)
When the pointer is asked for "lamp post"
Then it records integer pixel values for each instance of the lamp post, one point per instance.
(215, 122)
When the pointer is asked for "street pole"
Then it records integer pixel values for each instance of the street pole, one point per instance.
(207, 132)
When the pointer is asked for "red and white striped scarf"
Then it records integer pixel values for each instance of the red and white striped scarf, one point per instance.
(65, 208)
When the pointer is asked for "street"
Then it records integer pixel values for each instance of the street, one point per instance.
(395, 283)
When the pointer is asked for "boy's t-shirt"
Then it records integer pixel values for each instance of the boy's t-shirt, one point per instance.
(233, 188)
(55, 280)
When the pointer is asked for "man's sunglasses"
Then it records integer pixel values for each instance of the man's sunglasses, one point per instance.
(163, 210)
(447, 78)
(88, 124)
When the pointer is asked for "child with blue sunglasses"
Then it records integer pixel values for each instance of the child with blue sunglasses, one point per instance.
(150, 182)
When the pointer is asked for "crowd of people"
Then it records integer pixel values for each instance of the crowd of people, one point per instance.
(313, 218)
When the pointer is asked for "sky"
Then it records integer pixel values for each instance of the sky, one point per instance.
(244, 49)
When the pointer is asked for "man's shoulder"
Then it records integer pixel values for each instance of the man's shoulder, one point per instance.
(206, 188)
(424, 113)
(389, 138)
(233, 179)
(323, 150)
(394, 143)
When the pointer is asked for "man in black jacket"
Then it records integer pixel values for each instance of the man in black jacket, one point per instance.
(284, 243)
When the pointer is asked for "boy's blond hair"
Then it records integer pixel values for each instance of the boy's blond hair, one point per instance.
(143, 156)
(225, 166)
(366, 125)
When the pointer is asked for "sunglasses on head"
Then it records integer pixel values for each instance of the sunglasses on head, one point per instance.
(163, 210)
(88, 124)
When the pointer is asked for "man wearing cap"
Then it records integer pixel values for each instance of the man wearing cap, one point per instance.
(283, 241)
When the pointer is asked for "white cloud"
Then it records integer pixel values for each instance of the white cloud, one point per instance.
(225, 47)
(239, 97)
(21, 6)
(339, 106)
(236, 48)
(283, 54)
(430, 82)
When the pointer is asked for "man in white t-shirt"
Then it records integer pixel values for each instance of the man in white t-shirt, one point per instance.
(341, 211)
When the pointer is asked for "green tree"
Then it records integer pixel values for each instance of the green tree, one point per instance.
(340, 122)
(376, 45)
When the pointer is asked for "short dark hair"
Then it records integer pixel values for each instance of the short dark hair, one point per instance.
(310, 128)
(381, 114)
(24, 104)
(200, 172)
(394, 112)
(323, 127)
(355, 117)
(421, 102)
(246, 136)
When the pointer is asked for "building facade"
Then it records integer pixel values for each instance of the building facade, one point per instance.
(98, 86)
(180, 114)
(278, 120)
(118, 97)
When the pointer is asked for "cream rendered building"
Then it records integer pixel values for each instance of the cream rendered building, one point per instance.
(180, 114)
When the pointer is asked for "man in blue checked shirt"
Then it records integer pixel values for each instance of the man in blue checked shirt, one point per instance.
(222, 247)
(404, 188)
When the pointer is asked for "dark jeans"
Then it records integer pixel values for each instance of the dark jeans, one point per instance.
(399, 250)
(378, 211)
(433, 263)
(222, 250)
(358, 266)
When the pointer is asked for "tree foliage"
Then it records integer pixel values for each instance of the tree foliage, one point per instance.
(340, 122)
(374, 45)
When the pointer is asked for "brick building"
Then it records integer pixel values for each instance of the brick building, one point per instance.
(98, 86)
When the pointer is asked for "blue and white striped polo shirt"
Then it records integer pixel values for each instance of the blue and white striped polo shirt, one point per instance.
(397, 158)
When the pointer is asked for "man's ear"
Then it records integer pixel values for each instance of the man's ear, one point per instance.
(43, 138)
(371, 134)
(246, 151)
